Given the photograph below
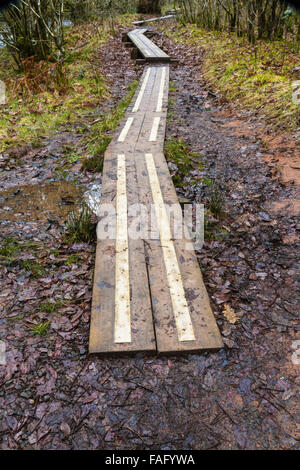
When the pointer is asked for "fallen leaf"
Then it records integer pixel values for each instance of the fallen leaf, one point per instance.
(65, 428)
(229, 314)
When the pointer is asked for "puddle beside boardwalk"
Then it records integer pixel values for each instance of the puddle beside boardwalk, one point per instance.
(39, 202)
(52, 200)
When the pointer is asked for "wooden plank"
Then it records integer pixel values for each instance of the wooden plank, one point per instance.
(135, 36)
(204, 325)
(161, 18)
(153, 47)
(147, 48)
(122, 329)
(160, 293)
(207, 335)
(146, 81)
(102, 331)
(185, 330)
(148, 93)
(147, 43)
(154, 52)
(161, 90)
(145, 51)
(138, 30)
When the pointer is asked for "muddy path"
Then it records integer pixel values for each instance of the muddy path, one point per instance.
(53, 396)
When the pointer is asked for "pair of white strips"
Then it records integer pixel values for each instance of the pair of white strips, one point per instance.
(156, 120)
(122, 326)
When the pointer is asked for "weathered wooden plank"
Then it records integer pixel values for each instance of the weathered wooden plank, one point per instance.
(153, 47)
(206, 332)
(147, 48)
(141, 38)
(141, 98)
(161, 18)
(106, 295)
(135, 37)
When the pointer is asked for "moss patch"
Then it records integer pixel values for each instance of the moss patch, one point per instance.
(100, 135)
(41, 329)
(258, 77)
(178, 153)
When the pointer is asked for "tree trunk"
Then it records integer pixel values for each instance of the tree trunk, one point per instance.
(149, 6)
(251, 19)
(272, 20)
(261, 18)
(233, 16)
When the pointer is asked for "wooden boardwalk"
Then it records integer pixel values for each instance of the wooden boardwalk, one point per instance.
(150, 20)
(149, 51)
(148, 292)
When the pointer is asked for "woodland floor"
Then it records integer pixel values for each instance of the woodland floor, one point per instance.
(53, 396)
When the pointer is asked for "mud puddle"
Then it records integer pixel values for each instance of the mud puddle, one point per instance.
(39, 202)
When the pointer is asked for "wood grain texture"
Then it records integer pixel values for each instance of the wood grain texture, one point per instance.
(149, 51)
(151, 296)
(103, 304)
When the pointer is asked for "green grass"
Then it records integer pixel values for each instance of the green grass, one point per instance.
(95, 163)
(73, 259)
(16, 318)
(70, 154)
(36, 269)
(29, 117)
(9, 251)
(10, 256)
(80, 226)
(172, 87)
(99, 137)
(178, 153)
(216, 202)
(256, 77)
(41, 329)
(51, 307)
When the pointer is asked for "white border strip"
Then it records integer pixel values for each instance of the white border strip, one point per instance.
(142, 91)
(154, 130)
(161, 90)
(122, 327)
(182, 317)
(125, 130)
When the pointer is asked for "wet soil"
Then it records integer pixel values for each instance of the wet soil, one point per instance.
(54, 396)
(39, 202)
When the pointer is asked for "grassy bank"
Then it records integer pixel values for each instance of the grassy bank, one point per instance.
(100, 134)
(45, 97)
(256, 77)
